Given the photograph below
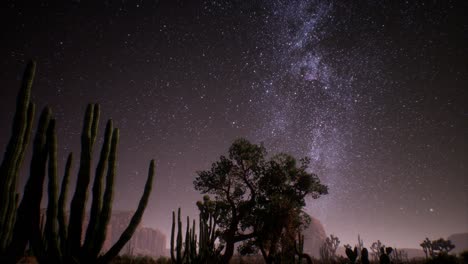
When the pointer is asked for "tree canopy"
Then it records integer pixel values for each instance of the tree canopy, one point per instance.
(260, 200)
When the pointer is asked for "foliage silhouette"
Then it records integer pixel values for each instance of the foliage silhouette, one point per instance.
(328, 248)
(436, 247)
(260, 200)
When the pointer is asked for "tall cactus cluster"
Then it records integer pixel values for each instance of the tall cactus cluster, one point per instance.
(59, 241)
(189, 251)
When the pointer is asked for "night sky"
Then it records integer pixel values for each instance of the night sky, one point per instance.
(375, 93)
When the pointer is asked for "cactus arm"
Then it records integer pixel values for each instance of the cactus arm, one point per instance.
(94, 124)
(187, 241)
(81, 190)
(193, 242)
(106, 212)
(172, 237)
(28, 213)
(51, 233)
(61, 203)
(15, 145)
(13, 219)
(24, 116)
(12, 207)
(96, 205)
(134, 222)
(27, 135)
(179, 238)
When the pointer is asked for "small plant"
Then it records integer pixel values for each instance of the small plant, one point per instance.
(328, 249)
(384, 255)
(365, 256)
(399, 256)
(351, 254)
(375, 248)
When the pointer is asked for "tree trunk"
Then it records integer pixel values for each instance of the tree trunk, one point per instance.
(228, 253)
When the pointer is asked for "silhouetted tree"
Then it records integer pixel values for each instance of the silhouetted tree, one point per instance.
(436, 247)
(279, 215)
(328, 248)
(261, 200)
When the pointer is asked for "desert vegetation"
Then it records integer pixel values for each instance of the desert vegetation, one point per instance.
(53, 239)
(258, 205)
(251, 210)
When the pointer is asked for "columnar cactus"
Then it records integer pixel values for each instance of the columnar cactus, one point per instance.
(186, 250)
(61, 203)
(208, 222)
(56, 243)
(77, 212)
(176, 257)
(52, 240)
(12, 159)
(27, 222)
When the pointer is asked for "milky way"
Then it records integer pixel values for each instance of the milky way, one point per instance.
(311, 104)
(373, 92)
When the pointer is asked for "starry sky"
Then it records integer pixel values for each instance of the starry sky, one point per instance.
(374, 92)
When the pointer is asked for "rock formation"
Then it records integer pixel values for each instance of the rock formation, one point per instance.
(145, 241)
(314, 236)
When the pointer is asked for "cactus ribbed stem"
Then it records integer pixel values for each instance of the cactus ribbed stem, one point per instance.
(179, 239)
(104, 217)
(96, 206)
(84, 173)
(28, 213)
(9, 164)
(13, 157)
(172, 237)
(50, 231)
(61, 203)
(187, 241)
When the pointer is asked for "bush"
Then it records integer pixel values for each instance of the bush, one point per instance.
(464, 257)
